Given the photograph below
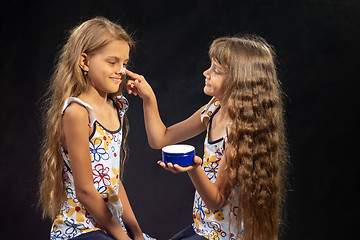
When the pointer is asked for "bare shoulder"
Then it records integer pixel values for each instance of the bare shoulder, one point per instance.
(201, 109)
(75, 125)
(75, 114)
(195, 118)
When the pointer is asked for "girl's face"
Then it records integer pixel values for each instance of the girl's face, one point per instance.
(214, 81)
(107, 66)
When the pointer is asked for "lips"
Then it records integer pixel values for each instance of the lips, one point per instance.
(116, 79)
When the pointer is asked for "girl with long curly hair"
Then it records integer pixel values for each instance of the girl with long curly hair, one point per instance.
(240, 180)
(84, 144)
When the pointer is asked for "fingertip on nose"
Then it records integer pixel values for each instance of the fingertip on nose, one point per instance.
(123, 70)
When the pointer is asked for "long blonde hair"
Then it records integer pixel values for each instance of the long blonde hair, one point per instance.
(67, 81)
(256, 148)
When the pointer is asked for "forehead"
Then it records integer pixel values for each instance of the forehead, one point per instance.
(216, 63)
(116, 48)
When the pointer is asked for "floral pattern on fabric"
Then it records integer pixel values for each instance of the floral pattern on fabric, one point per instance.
(73, 219)
(209, 109)
(213, 224)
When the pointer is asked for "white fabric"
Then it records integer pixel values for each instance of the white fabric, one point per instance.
(91, 111)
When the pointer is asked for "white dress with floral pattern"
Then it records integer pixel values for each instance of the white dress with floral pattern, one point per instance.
(220, 224)
(73, 219)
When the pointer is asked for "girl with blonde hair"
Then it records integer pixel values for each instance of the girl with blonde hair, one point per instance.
(240, 180)
(84, 145)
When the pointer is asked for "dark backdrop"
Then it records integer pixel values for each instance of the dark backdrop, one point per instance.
(317, 46)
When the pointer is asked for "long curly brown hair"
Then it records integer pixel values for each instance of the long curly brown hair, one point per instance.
(256, 149)
(67, 81)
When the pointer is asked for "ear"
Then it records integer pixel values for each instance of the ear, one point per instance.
(84, 62)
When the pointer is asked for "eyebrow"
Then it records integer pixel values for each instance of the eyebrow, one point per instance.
(213, 60)
(218, 65)
(116, 58)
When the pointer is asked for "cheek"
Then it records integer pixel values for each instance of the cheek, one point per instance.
(104, 69)
(220, 85)
(93, 73)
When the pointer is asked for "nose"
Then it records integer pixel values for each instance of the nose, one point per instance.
(206, 73)
(122, 70)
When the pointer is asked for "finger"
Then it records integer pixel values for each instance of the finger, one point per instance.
(181, 169)
(187, 168)
(132, 74)
(136, 82)
(197, 160)
(129, 82)
(129, 87)
(169, 165)
(131, 90)
(162, 164)
(139, 86)
(172, 168)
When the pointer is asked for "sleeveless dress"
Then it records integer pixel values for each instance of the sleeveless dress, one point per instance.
(73, 219)
(220, 224)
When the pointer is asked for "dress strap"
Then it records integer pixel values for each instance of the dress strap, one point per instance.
(210, 108)
(91, 111)
(123, 105)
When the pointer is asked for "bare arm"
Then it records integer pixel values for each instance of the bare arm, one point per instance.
(158, 134)
(76, 131)
(128, 215)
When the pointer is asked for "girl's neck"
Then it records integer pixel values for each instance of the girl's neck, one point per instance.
(222, 113)
(95, 97)
(221, 100)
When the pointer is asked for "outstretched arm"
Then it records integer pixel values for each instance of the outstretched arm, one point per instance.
(209, 192)
(76, 131)
(158, 134)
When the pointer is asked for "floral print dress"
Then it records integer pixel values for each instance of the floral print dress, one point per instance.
(73, 219)
(220, 224)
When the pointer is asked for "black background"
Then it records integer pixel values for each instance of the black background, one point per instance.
(317, 43)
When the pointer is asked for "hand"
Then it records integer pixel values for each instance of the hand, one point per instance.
(137, 85)
(177, 169)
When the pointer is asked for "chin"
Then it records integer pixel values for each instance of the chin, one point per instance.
(111, 91)
(207, 92)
